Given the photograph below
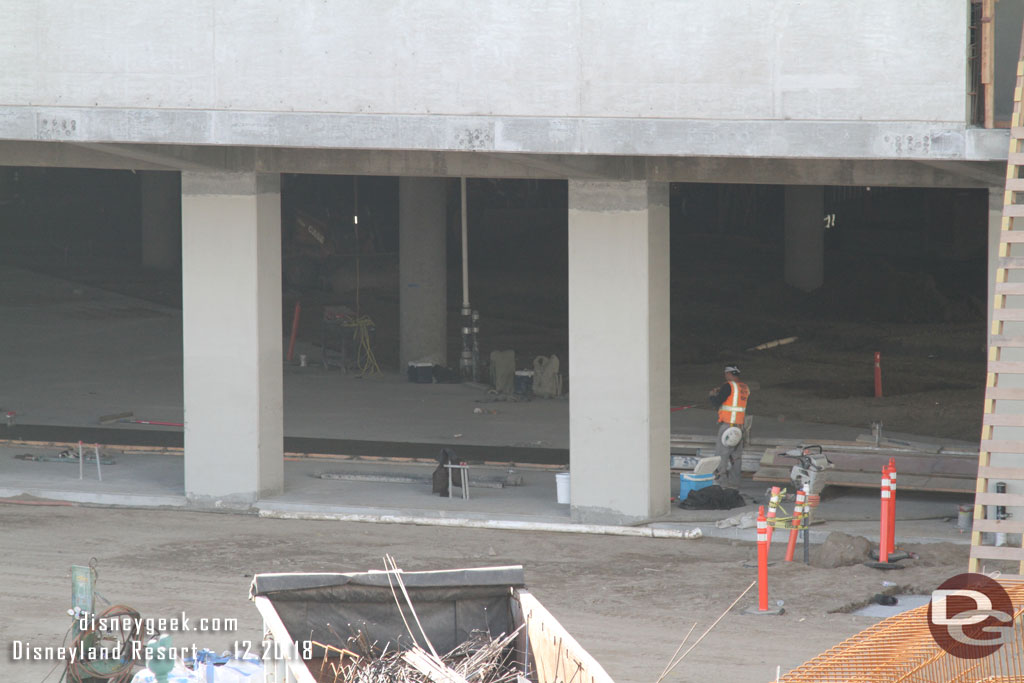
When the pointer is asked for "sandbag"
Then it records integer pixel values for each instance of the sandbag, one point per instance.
(547, 382)
(503, 371)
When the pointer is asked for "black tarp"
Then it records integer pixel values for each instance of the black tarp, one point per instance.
(450, 604)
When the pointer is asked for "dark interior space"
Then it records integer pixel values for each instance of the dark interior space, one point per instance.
(905, 275)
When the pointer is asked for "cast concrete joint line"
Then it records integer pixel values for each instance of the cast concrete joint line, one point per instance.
(996, 178)
(134, 152)
(555, 169)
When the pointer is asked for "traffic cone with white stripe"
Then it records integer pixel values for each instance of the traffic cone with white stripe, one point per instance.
(762, 569)
(881, 558)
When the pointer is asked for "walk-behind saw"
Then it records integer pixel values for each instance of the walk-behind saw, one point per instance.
(811, 469)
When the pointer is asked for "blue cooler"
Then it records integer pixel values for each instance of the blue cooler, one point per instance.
(694, 482)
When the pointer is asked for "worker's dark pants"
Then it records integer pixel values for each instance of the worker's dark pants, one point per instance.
(730, 460)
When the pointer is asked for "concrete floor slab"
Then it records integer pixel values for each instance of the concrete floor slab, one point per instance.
(74, 353)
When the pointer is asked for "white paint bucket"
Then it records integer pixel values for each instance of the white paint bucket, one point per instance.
(562, 484)
(965, 517)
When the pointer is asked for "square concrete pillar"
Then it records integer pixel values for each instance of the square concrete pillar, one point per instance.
(231, 295)
(422, 271)
(805, 236)
(161, 218)
(618, 350)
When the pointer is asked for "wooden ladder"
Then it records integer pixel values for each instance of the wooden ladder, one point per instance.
(1002, 432)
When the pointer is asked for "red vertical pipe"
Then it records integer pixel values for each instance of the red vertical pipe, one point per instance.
(878, 374)
(762, 560)
(883, 526)
(295, 330)
(892, 505)
(794, 531)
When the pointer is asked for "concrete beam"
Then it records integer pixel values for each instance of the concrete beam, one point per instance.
(619, 375)
(494, 165)
(422, 271)
(231, 320)
(683, 137)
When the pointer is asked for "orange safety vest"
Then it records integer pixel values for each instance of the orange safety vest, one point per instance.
(734, 410)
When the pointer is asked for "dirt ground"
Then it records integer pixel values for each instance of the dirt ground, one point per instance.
(628, 601)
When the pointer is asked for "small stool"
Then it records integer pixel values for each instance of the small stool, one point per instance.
(464, 468)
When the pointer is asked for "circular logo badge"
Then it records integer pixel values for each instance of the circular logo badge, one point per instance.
(970, 616)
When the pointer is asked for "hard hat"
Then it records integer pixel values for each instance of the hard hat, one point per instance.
(732, 436)
(732, 369)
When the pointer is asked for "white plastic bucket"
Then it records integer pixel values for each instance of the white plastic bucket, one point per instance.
(562, 484)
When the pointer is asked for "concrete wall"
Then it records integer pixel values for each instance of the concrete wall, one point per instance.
(651, 76)
(744, 59)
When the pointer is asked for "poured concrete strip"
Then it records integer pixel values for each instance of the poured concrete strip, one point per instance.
(509, 525)
(106, 499)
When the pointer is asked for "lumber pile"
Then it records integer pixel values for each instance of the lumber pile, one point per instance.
(921, 467)
(687, 449)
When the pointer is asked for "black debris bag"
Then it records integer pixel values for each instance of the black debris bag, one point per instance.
(713, 497)
(440, 476)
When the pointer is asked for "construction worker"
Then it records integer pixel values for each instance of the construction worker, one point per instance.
(730, 399)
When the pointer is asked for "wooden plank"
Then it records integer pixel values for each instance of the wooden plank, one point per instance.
(1009, 314)
(988, 472)
(989, 552)
(556, 654)
(1010, 263)
(1002, 446)
(1005, 341)
(1007, 366)
(1008, 578)
(1007, 526)
(288, 666)
(1004, 394)
(1010, 500)
(1011, 236)
(1015, 159)
(1014, 211)
(1010, 288)
(988, 41)
(866, 480)
(988, 46)
(1003, 421)
(936, 465)
(1016, 132)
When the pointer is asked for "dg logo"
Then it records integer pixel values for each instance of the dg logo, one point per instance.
(971, 616)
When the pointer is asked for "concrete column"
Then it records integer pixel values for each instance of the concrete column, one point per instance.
(995, 225)
(161, 218)
(805, 236)
(231, 292)
(619, 350)
(422, 271)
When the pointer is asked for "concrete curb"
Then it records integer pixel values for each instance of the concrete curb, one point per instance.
(507, 525)
(107, 499)
(781, 537)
